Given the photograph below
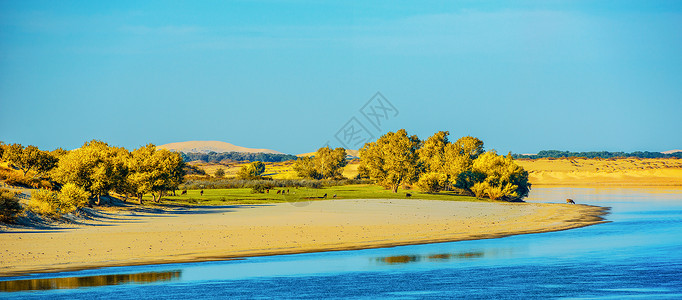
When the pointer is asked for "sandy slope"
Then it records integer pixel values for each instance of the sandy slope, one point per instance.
(210, 233)
(208, 146)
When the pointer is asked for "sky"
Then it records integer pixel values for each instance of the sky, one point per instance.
(292, 76)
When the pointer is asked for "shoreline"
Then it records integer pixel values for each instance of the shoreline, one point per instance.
(128, 238)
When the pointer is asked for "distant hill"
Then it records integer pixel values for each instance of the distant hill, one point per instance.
(212, 146)
(349, 153)
(671, 151)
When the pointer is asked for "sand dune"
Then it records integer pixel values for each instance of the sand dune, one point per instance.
(208, 146)
(624, 171)
(215, 233)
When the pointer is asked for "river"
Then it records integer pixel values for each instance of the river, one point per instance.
(638, 254)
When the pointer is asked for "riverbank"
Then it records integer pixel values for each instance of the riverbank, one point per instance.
(129, 237)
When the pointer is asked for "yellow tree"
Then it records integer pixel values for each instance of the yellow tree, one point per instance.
(253, 170)
(329, 163)
(432, 157)
(154, 171)
(305, 167)
(392, 159)
(502, 177)
(459, 157)
(96, 167)
(432, 152)
(29, 158)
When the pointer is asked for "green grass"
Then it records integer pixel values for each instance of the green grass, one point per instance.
(244, 195)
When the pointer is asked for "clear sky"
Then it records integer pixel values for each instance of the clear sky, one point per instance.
(288, 75)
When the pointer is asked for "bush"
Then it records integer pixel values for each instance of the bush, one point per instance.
(258, 189)
(504, 179)
(9, 207)
(479, 189)
(432, 182)
(219, 173)
(15, 179)
(44, 202)
(72, 197)
(54, 204)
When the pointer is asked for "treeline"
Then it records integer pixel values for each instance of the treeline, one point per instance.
(437, 164)
(213, 157)
(597, 154)
(82, 176)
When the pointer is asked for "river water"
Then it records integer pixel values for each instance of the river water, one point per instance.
(636, 255)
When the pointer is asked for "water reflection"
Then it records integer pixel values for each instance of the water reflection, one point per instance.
(88, 281)
(403, 259)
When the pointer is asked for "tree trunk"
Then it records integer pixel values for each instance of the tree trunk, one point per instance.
(395, 188)
(139, 198)
(98, 200)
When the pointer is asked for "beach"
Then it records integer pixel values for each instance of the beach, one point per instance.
(132, 236)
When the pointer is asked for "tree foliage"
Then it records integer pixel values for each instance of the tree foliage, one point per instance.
(154, 171)
(439, 165)
(392, 159)
(502, 177)
(327, 163)
(96, 167)
(253, 170)
(305, 168)
(29, 158)
(432, 153)
(432, 182)
(71, 197)
(219, 173)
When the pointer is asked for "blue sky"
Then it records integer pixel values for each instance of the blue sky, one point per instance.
(287, 75)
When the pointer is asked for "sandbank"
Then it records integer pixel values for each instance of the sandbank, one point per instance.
(130, 236)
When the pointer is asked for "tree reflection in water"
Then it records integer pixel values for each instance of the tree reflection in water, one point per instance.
(402, 259)
(88, 281)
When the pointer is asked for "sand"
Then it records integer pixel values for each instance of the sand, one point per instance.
(127, 237)
(619, 172)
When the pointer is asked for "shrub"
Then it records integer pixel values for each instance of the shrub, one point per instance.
(44, 202)
(16, 179)
(54, 204)
(9, 207)
(504, 179)
(479, 189)
(72, 197)
(219, 173)
(432, 182)
(258, 189)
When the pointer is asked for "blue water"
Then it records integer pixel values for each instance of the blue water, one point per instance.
(637, 255)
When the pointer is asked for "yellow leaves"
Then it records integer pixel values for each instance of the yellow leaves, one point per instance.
(252, 170)
(54, 204)
(503, 177)
(326, 163)
(392, 159)
(71, 197)
(432, 182)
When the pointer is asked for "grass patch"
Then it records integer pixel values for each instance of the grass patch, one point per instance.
(245, 195)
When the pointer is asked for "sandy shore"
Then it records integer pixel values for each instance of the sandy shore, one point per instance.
(127, 237)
